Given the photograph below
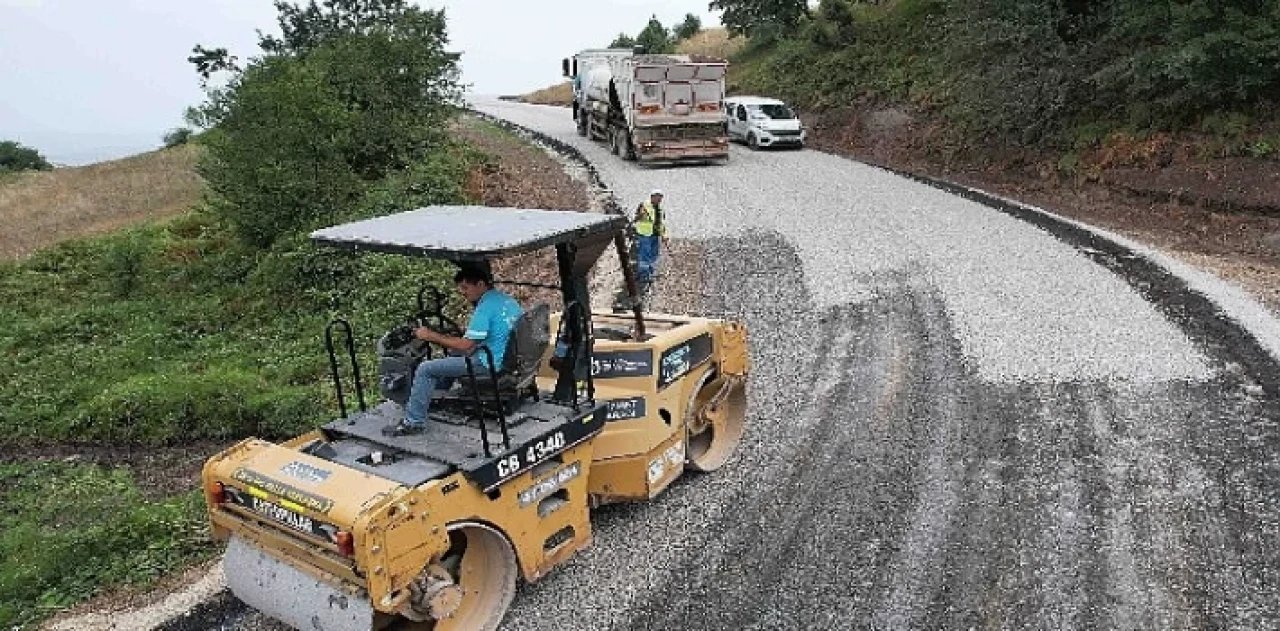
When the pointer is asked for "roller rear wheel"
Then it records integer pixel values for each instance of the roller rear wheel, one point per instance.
(714, 422)
(470, 588)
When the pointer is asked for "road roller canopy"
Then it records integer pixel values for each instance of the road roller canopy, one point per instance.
(476, 235)
(469, 233)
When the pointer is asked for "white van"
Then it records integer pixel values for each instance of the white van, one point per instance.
(763, 122)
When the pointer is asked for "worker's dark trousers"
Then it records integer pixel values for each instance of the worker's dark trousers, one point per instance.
(646, 258)
(435, 374)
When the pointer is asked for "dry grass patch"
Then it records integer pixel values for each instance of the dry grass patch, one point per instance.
(41, 208)
(559, 94)
(712, 42)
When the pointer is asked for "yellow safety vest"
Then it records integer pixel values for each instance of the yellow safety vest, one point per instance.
(648, 219)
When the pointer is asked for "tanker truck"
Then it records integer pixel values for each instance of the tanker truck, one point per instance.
(650, 108)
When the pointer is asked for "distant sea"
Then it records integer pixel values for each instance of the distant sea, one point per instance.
(76, 149)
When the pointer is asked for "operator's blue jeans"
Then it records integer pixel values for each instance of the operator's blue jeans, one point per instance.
(436, 374)
(646, 258)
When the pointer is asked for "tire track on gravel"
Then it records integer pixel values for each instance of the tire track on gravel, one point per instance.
(780, 515)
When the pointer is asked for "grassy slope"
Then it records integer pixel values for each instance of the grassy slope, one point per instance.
(712, 42)
(40, 208)
(558, 94)
(159, 333)
(69, 528)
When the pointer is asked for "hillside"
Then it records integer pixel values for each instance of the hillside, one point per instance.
(41, 208)
(559, 94)
(164, 323)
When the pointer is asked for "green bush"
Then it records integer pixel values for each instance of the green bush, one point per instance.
(177, 137)
(15, 157)
(352, 93)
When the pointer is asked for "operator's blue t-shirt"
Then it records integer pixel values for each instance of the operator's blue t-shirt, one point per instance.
(491, 324)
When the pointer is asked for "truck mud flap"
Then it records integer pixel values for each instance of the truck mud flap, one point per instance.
(290, 595)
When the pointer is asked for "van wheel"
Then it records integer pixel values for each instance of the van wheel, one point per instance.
(613, 142)
(753, 142)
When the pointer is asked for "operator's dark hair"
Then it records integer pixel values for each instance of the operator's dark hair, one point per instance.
(473, 274)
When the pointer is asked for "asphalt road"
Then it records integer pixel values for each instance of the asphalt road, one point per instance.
(960, 419)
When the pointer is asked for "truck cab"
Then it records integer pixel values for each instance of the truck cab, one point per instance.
(763, 122)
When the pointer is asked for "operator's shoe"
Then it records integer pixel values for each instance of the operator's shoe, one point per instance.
(402, 429)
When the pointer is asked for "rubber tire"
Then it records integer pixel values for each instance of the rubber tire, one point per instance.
(627, 149)
(613, 141)
(753, 142)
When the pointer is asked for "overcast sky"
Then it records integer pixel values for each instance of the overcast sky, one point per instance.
(88, 80)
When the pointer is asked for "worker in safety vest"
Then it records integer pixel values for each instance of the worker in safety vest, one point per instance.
(650, 231)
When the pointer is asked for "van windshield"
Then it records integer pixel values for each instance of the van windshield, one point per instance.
(775, 111)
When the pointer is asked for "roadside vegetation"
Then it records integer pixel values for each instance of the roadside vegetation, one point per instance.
(1064, 75)
(39, 208)
(656, 38)
(15, 157)
(70, 528)
(208, 325)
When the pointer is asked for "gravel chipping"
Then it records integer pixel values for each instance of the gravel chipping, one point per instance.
(959, 420)
(1025, 306)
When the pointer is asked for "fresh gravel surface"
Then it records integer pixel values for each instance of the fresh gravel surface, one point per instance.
(958, 421)
(1024, 306)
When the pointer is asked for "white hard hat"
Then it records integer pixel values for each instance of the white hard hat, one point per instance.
(656, 191)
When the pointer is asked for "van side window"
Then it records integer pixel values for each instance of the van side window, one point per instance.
(742, 113)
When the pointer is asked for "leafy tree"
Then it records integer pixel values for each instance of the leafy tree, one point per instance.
(1186, 56)
(688, 28)
(177, 136)
(351, 92)
(1012, 71)
(15, 157)
(623, 41)
(655, 38)
(210, 61)
(744, 17)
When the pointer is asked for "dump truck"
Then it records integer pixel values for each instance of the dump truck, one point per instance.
(650, 108)
(347, 528)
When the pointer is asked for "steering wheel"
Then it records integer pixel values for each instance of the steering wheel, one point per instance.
(444, 324)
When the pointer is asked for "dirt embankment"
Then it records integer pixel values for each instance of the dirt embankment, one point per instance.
(1218, 213)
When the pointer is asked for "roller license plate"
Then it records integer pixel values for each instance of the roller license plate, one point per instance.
(281, 515)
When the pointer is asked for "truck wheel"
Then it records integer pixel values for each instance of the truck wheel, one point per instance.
(714, 431)
(627, 149)
(753, 142)
(613, 141)
(582, 126)
(483, 564)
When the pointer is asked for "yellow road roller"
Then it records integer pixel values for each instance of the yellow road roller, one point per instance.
(349, 527)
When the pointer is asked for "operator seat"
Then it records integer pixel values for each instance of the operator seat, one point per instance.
(520, 363)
